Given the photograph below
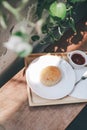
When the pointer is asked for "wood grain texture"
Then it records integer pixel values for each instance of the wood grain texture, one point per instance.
(15, 113)
(12, 95)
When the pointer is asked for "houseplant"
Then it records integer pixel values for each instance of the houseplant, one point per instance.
(48, 23)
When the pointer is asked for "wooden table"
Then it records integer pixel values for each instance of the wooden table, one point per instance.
(15, 113)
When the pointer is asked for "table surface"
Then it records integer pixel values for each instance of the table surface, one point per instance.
(16, 114)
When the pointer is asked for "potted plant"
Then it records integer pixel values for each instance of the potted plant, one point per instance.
(52, 20)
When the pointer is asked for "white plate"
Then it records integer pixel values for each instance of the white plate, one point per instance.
(61, 89)
(80, 90)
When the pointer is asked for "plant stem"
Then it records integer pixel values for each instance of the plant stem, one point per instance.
(13, 10)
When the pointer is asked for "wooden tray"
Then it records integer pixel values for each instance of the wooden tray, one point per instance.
(35, 100)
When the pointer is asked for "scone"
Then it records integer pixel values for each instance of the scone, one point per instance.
(50, 75)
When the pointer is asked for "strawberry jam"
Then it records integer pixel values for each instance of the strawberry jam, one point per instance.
(78, 59)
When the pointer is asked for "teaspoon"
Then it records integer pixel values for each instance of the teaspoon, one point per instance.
(84, 76)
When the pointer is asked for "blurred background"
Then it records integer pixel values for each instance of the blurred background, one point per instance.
(10, 63)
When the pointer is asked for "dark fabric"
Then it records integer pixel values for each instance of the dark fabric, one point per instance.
(80, 122)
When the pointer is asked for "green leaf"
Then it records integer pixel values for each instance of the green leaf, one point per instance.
(44, 28)
(58, 10)
(35, 37)
(22, 35)
(45, 4)
(24, 53)
(72, 24)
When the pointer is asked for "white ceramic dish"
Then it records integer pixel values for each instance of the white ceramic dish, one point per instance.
(80, 90)
(78, 56)
(61, 89)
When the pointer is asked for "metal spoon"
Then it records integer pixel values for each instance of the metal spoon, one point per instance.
(84, 76)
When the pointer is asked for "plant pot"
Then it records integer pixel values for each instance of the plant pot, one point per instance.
(69, 41)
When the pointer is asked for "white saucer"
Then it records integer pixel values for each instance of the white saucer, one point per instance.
(80, 90)
(61, 89)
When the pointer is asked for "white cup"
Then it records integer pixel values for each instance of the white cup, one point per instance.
(77, 59)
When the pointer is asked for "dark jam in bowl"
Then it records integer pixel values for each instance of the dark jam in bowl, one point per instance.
(78, 59)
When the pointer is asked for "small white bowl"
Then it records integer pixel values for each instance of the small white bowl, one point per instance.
(77, 59)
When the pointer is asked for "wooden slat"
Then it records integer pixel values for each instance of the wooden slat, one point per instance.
(35, 100)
